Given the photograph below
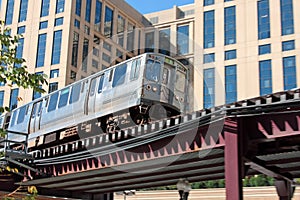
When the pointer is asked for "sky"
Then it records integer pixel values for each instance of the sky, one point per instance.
(148, 6)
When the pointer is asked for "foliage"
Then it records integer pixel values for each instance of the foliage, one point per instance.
(9, 73)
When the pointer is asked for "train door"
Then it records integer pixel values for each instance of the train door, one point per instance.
(167, 88)
(35, 116)
(91, 97)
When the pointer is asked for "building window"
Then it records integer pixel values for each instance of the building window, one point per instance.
(108, 22)
(183, 40)
(95, 63)
(209, 58)
(209, 29)
(164, 41)
(95, 51)
(106, 57)
(265, 77)
(45, 8)
(98, 14)
(36, 95)
(21, 29)
(56, 50)
(73, 75)
(78, 7)
(230, 26)
(88, 8)
(43, 25)
(106, 46)
(289, 72)
(54, 73)
(77, 23)
(209, 88)
(230, 84)
(119, 54)
(208, 2)
(287, 17)
(23, 10)
(60, 6)
(231, 54)
(130, 37)
(263, 19)
(264, 49)
(227, 0)
(53, 87)
(75, 49)
(14, 93)
(59, 21)
(9, 12)
(41, 50)
(1, 99)
(120, 30)
(149, 42)
(85, 52)
(19, 51)
(86, 29)
(153, 20)
(288, 45)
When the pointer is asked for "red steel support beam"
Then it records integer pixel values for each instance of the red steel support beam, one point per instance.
(233, 180)
(284, 189)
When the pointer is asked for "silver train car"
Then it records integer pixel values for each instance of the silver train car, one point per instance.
(137, 91)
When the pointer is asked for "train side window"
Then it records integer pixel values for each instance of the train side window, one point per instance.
(120, 74)
(110, 75)
(135, 69)
(63, 98)
(40, 108)
(53, 102)
(100, 87)
(93, 86)
(75, 93)
(21, 116)
(165, 76)
(82, 88)
(13, 118)
(153, 70)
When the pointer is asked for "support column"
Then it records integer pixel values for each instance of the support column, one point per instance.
(233, 178)
(284, 189)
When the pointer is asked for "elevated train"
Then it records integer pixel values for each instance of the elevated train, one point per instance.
(145, 88)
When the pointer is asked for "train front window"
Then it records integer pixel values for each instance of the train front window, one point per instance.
(180, 81)
(21, 115)
(120, 74)
(153, 70)
(165, 76)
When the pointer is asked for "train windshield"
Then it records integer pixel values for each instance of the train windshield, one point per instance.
(180, 81)
(153, 70)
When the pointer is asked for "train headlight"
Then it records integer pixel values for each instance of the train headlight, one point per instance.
(154, 89)
(177, 98)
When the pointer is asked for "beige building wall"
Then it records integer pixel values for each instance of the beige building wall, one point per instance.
(246, 45)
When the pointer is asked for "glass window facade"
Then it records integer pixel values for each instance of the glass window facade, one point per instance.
(23, 10)
(21, 29)
(75, 49)
(9, 12)
(208, 2)
(19, 51)
(88, 8)
(1, 99)
(209, 58)
(130, 37)
(53, 87)
(56, 49)
(209, 88)
(45, 8)
(230, 25)
(54, 73)
(149, 42)
(288, 45)
(263, 19)
(264, 49)
(78, 7)
(59, 21)
(108, 22)
(287, 17)
(36, 95)
(230, 54)
(41, 50)
(85, 52)
(77, 23)
(183, 39)
(230, 84)
(265, 77)
(60, 6)
(164, 41)
(43, 25)
(209, 29)
(289, 72)
(98, 13)
(120, 30)
(13, 103)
